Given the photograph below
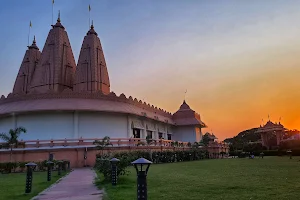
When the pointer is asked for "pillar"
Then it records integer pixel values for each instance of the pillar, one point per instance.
(155, 133)
(14, 121)
(263, 139)
(278, 137)
(75, 124)
(129, 129)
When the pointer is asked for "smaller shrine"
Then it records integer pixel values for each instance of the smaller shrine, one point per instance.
(270, 129)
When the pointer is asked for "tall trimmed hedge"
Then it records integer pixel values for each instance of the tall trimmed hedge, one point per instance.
(9, 167)
(240, 154)
(104, 167)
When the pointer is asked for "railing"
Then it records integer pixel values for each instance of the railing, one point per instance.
(88, 142)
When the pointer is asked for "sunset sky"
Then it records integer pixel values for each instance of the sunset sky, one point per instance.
(238, 60)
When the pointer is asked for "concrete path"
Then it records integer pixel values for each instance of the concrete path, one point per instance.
(78, 185)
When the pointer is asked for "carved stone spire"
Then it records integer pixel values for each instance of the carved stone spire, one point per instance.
(91, 72)
(29, 63)
(56, 68)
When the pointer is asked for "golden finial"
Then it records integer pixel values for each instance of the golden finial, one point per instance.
(92, 26)
(58, 19)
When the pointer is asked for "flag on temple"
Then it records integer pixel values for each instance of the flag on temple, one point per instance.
(30, 24)
(52, 1)
(89, 7)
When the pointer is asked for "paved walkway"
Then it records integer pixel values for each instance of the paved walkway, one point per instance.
(78, 185)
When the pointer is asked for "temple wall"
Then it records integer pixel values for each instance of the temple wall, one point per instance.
(6, 124)
(74, 124)
(99, 125)
(45, 126)
(185, 134)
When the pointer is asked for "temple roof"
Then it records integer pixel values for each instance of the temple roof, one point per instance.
(270, 126)
(56, 68)
(28, 65)
(211, 136)
(91, 72)
(184, 106)
(186, 116)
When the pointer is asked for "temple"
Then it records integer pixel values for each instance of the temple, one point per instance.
(271, 129)
(66, 107)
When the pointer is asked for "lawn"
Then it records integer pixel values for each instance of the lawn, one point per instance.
(230, 179)
(12, 186)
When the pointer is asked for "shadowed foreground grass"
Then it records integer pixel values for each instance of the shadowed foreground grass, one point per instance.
(229, 179)
(12, 186)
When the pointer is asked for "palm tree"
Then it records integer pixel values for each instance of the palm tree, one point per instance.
(11, 139)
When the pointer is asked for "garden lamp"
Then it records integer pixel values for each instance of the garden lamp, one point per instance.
(142, 166)
(30, 168)
(114, 170)
(49, 167)
(59, 163)
(289, 152)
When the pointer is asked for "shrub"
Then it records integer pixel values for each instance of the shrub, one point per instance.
(104, 167)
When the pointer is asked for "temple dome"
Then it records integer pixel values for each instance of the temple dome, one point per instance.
(186, 116)
(184, 106)
(28, 66)
(56, 68)
(91, 72)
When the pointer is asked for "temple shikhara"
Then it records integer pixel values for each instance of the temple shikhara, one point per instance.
(268, 130)
(66, 106)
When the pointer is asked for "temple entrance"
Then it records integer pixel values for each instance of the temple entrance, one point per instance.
(136, 133)
(149, 134)
(160, 136)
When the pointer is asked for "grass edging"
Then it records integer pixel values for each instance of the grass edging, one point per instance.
(51, 186)
(98, 183)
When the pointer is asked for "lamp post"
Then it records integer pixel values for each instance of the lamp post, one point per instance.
(30, 168)
(49, 170)
(142, 166)
(114, 170)
(289, 152)
(59, 163)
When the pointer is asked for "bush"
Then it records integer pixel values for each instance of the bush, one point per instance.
(104, 167)
(8, 167)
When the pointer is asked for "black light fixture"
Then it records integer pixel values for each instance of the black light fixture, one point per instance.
(114, 171)
(49, 169)
(59, 163)
(142, 166)
(289, 152)
(30, 168)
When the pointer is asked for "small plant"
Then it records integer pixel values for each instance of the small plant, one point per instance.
(101, 145)
(103, 165)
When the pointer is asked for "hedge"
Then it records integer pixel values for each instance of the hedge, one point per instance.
(8, 167)
(104, 167)
(280, 152)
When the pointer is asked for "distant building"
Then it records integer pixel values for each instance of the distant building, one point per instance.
(270, 129)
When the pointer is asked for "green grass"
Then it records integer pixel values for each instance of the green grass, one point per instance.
(232, 179)
(12, 186)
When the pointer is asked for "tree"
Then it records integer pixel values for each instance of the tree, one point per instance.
(205, 140)
(11, 139)
(222, 153)
(103, 143)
